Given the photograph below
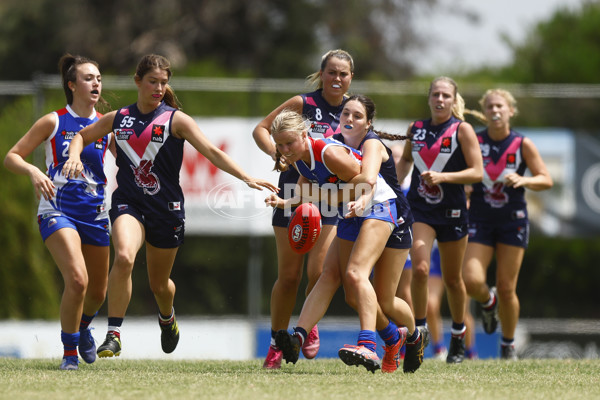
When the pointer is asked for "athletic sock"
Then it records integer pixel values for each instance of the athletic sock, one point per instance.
(70, 342)
(367, 339)
(413, 337)
(421, 321)
(507, 342)
(166, 320)
(488, 305)
(301, 334)
(390, 334)
(273, 333)
(85, 321)
(458, 329)
(114, 326)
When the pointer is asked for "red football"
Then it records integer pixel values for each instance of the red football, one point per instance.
(304, 227)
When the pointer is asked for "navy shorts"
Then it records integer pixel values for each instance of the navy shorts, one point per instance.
(349, 228)
(449, 233)
(513, 233)
(94, 232)
(165, 231)
(401, 237)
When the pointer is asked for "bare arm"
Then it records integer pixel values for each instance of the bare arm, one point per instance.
(405, 162)
(186, 128)
(15, 158)
(274, 200)
(472, 153)
(261, 133)
(540, 179)
(373, 153)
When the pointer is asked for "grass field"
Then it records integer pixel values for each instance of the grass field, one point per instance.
(307, 380)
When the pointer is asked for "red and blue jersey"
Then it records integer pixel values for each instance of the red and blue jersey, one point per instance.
(318, 172)
(491, 199)
(82, 197)
(149, 158)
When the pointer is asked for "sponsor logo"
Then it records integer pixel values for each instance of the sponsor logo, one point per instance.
(123, 134)
(511, 160)
(158, 133)
(68, 135)
(446, 146)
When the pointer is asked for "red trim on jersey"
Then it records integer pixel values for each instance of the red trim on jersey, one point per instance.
(317, 147)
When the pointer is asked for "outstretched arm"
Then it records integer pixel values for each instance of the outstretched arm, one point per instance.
(186, 128)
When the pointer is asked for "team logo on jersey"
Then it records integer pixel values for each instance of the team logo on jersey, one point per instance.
(511, 160)
(146, 179)
(432, 194)
(495, 196)
(485, 149)
(158, 133)
(68, 135)
(99, 144)
(446, 146)
(124, 134)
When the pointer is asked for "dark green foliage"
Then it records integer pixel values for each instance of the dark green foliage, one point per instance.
(28, 286)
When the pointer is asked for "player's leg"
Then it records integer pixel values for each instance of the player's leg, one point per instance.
(160, 263)
(314, 268)
(314, 307)
(451, 261)
(478, 257)
(128, 236)
(283, 294)
(65, 247)
(508, 265)
(97, 263)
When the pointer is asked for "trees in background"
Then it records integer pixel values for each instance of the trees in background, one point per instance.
(274, 39)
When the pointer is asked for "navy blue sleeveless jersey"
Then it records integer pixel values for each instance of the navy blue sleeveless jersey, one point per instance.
(388, 172)
(149, 160)
(491, 200)
(436, 148)
(81, 198)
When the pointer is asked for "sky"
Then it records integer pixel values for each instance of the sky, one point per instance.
(457, 44)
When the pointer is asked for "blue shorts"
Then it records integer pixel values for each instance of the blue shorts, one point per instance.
(513, 232)
(435, 266)
(93, 232)
(349, 228)
(280, 217)
(165, 231)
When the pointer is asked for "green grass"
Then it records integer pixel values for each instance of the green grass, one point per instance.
(307, 380)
